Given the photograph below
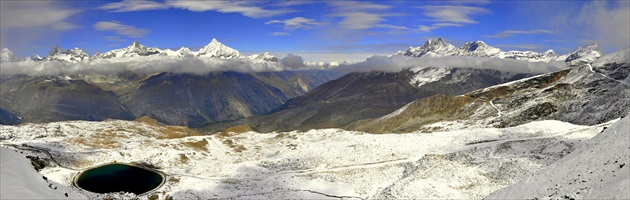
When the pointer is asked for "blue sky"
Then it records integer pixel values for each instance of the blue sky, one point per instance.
(316, 30)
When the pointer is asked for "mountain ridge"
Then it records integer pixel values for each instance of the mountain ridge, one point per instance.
(214, 49)
(438, 48)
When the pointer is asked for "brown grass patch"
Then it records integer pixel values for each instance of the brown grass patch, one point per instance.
(147, 120)
(183, 158)
(236, 147)
(199, 145)
(107, 140)
(167, 132)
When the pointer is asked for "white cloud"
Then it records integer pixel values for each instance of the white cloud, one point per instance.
(481, 2)
(280, 34)
(509, 33)
(428, 29)
(530, 47)
(245, 8)
(608, 24)
(226, 7)
(359, 15)
(133, 5)
(152, 64)
(397, 63)
(24, 14)
(121, 29)
(294, 3)
(27, 24)
(448, 15)
(296, 23)
(453, 14)
(329, 56)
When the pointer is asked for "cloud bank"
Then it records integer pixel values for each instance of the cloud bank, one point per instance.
(27, 23)
(156, 64)
(121, 29)
(397, 63)
(451, 16)
(242, 7)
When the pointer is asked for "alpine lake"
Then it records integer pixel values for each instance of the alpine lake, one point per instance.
(118, 177)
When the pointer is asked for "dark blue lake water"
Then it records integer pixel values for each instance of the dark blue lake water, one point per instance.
(119, 178)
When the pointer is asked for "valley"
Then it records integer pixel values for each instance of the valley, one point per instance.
(431, 122)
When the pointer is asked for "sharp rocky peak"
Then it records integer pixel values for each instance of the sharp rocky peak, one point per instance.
(436, 42)
(136, 45)
(584, 54)
(56, 50)
(438, 47)
(218, 50)
(472, 46)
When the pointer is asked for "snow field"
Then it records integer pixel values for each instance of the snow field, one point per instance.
(324, 163)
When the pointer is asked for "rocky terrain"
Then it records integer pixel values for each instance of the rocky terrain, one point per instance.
(586, 94)
(179, 99)
(357, 96)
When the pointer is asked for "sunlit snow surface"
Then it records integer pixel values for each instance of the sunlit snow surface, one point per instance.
(19, 180)
(598, 169)
(315, 164)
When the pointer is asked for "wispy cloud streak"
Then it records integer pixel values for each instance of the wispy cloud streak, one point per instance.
(245, 8)
(121, 29)
(509, 33)
(450, 16)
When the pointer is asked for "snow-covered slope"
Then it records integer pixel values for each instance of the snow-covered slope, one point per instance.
(19, 180)
(182, 52)
(69, 55)
(215, 49)
(479, 48)
(133, 50)
(584, 54)
(598, 169)
(438, 47)
(433, 47)
(327, 163)
(586, 94)
(424, 75)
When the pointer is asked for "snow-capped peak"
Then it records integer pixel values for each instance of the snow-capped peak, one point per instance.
(584, 54)
(479, 48)
(438, 47)
(135, 49)
(70, 55)
(6, 55)
(264, 56)
(216, 49)
(432, 47)
(56, 50)
(36, 58)
(549, 52)
(135, 45)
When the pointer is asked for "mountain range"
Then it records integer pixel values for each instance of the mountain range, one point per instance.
(346, 101)
(270, 101)
(588, 94)
(465, 133)
(214, 49)
(438, 47)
